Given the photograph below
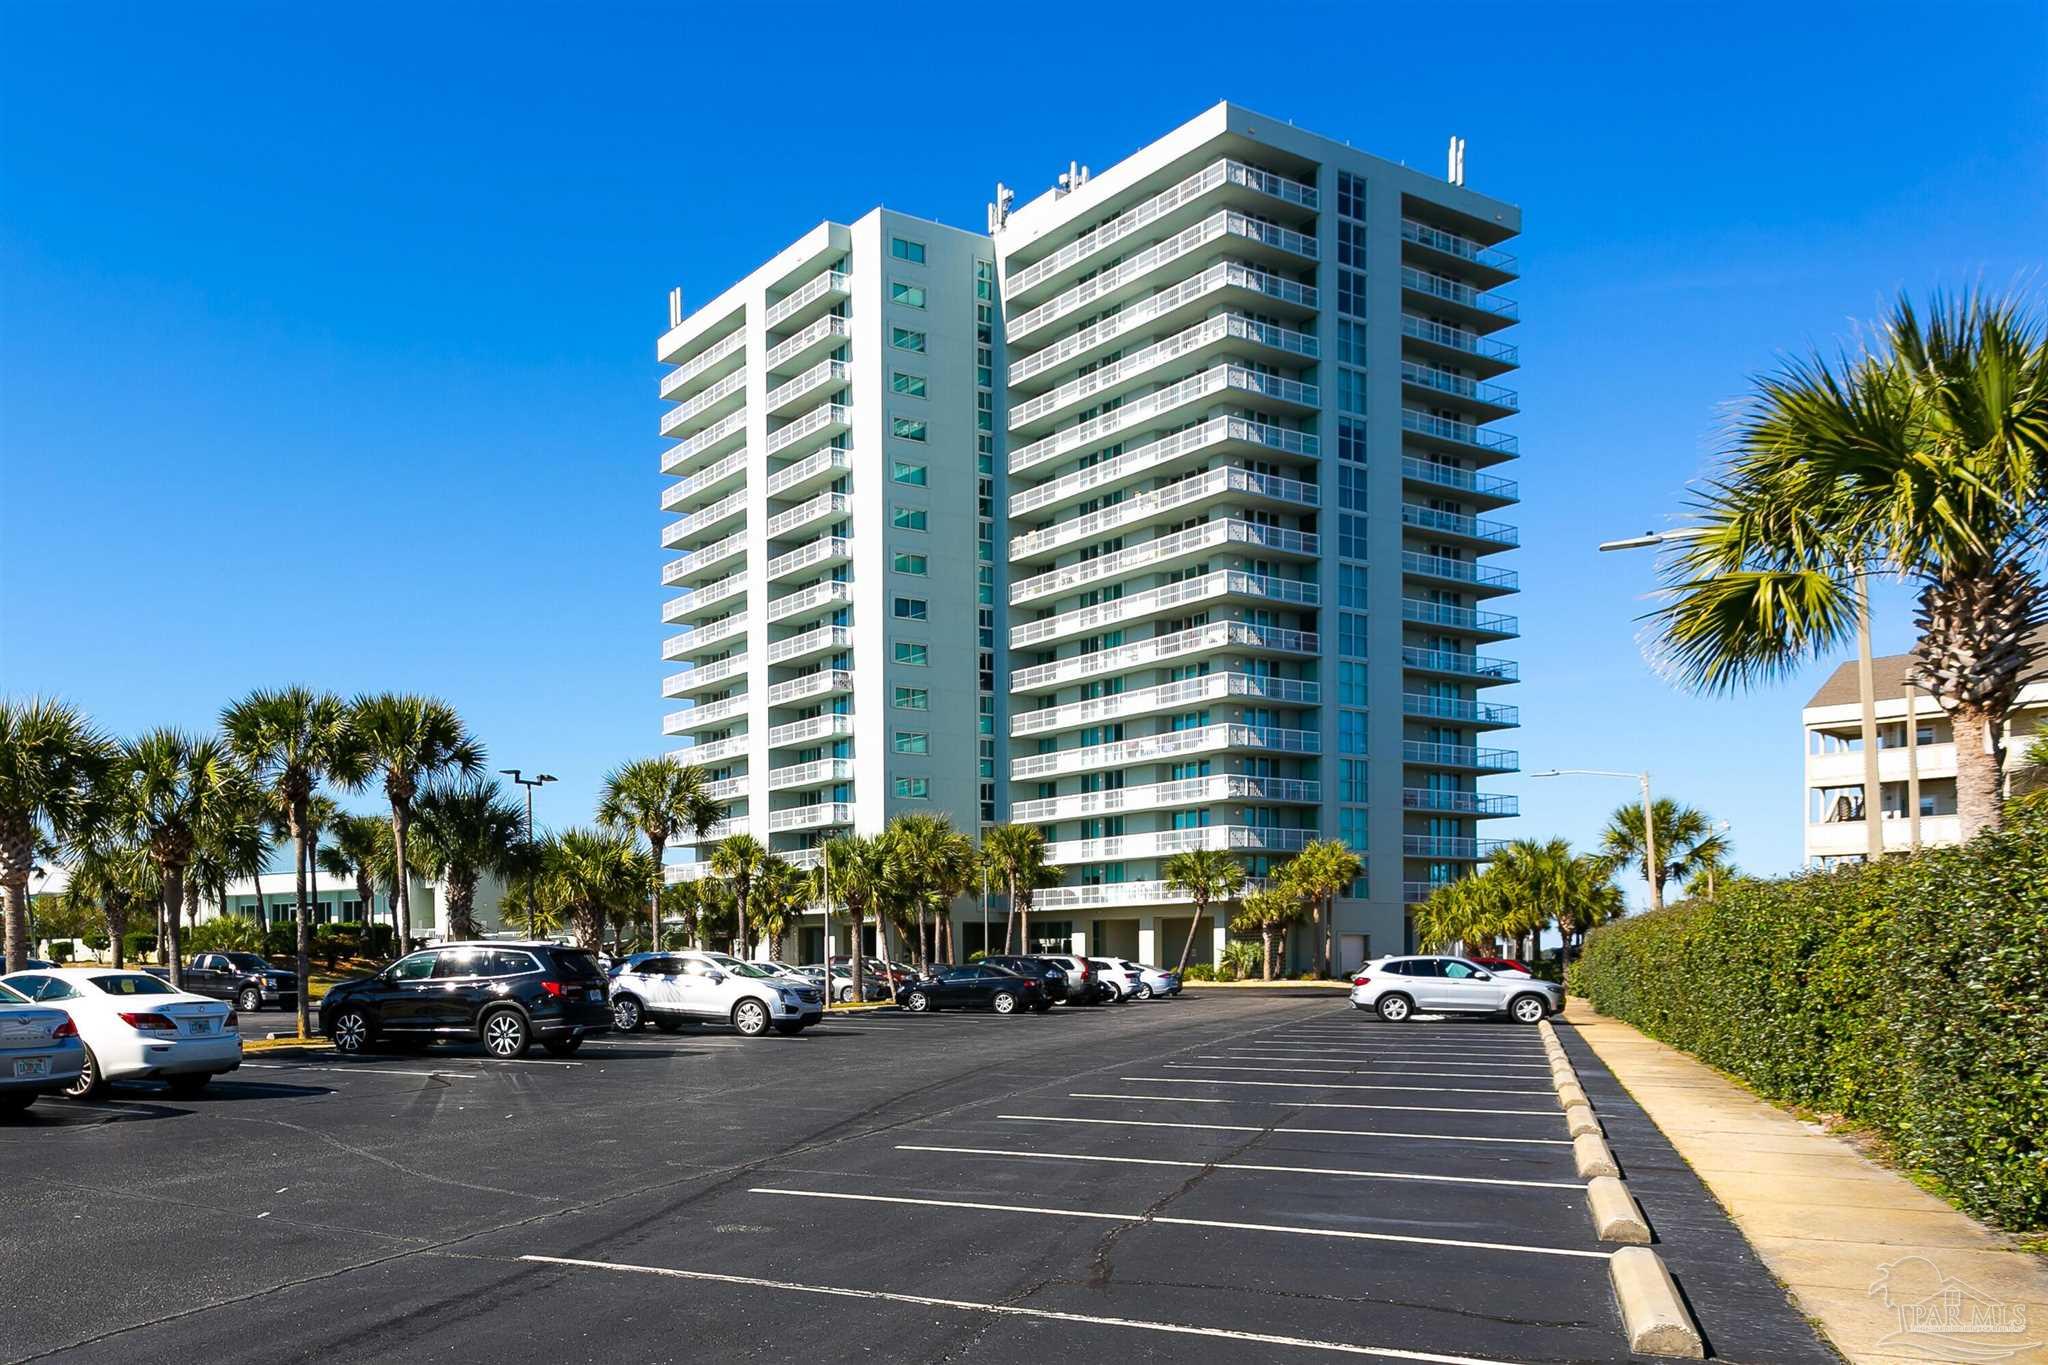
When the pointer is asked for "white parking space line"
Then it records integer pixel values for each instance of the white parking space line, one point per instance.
(1449, 1058)
(1269, 1128)
(1468, 1068)
(1321, 1085)
(361, 1069)
(1314, 1104)
(1345, 1233)
(1249, 1166)
(1016, 1311)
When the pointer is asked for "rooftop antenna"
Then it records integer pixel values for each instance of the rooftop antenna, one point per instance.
(675, 307)
(999, 211)
(1454, 168)
(1074, 178)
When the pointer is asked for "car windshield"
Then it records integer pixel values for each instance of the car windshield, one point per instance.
(11, 996)
(753, 969)
(578, 962)
(130, 983)
(248, 962)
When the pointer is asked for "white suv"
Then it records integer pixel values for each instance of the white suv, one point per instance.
(711, 987)
(1399, 988)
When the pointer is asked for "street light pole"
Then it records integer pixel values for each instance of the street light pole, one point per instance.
(532, 903)
(1652, 869)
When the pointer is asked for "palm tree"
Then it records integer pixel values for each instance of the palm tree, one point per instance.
(589, 875)
(233, 842)
(858, 872)
(1464, 911)
(464, 831)
(658, 797)
(1016, 858)
(739, 858)
(115, 874)
(52, 764)
(682, 900)
(1546, 883)
(412, 740)
(1270, 914)
(1686, 841)
(934, 863)
(1324, 870)
(352, 851)
(174, 786)
(1202, 875)
(780, 894)
(1706, 880)
(1925, 459)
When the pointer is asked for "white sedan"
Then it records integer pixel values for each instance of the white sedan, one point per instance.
(39, 1051)
(138, 1027)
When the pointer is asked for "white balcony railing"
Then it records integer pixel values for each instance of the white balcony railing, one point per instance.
(1192, 791)
(823, 773)
(705, 715)
(1427, 755)
(1417, 565)
(1205, 639)
(823, 640)
(678, 532)
(1179, 493)
(1152, 408)
(825, 682)
(682, 453)
(1445, 616)
(810, 730)
(1147, 748)
(826, 464)
(1458, 524)
(1459, 803)
(1443, 381)
(1165, 697)
(824, 507)
(1186, 442)
(678, 417)
(827, 285)
(1455, 291)
(717, 751)
(1202, 588)
(722, 829)
(1107, 895)
(832, 374)
(818, 422)
(698, 561)
(1476, 666)
(824, 329)
(706, 636)
(1209, 535)
(679, 378)
(1451, 244)
(1460, 433)
(1457, 339)
(1464, 480)
(1459, 709)
(1161, 843)
(704, 676)
(676, 495)
(817, 597)
(1226, 325)
(812, 817)
(692, 604)
(824, 550)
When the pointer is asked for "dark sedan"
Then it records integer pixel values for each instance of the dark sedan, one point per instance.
(1048, 974)
(508, 995)
(976, 987)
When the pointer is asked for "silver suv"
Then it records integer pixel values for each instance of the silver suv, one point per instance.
(1398, 988)
(712, 988)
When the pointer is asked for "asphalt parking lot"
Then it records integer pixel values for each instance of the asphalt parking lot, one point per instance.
(1224, 1178)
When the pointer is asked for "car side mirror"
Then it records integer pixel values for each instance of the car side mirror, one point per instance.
(1484, 976)
(715, 977)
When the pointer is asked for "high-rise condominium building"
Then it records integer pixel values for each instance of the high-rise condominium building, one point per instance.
(1201, 553)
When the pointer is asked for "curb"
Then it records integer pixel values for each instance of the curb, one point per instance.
(291, 1044)
(1580, 1120)
(1616, 1215)
(1652, 1314)
(1591, 1156)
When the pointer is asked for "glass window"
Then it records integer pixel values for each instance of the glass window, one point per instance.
(912, 699)
(418, 967)
(914, 788)
(913, 742)
(903, 249)
(909, 295)
(916, 655)
(456, 963)
(902, 471)
(910, 385)
(123, 983)
(912, 609)
(910, 519)
(906, 339)
(909, 563)
(907, 428)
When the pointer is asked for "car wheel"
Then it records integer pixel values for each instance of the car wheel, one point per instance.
(185, 1087)
(561, 1047)
(505, 1034)
(626, 1014)
(846, 995)
(1115, 995)
(1004, 1003)
(1527, 1009)
(917, 1002)
(668, 1025)
(1144, 991)
(250, 1000)
(750, 1017)
(350, 1032)
(1395, 1009)
(90, 1082)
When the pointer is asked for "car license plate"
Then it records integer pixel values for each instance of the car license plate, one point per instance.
(31, 1066)
(594, 993)
(201, 1025)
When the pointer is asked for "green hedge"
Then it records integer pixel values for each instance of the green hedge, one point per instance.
(1910, 996)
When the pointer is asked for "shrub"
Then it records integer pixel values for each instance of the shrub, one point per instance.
(138, 944)
(228, 934)
(1199, 971)
(1243, 960)
(60, 951)
(976, 956)
(328, 946)
(379, 938)
(1910, 996)
(98, 941)
(281, 940)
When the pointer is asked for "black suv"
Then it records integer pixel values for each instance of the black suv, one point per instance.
(506, 994)
(1048, 974)
(246, 979)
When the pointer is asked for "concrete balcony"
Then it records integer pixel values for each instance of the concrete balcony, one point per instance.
(810, 473)
(810, 645)
(1164, 362)
(825, 335)
(717, 751)
(1110, 895)
(697, 604)
(1195, 493)
(807, 604)
(713, 403)
(1436, 247)
(1935, 762)
(722, 829)
(1163, 551)
(1168, 208)
(810, 730)
(727, 790)
(704, 677)
(707, 521)
(725, 435)
(1441, 340)
(1166, 842)
(702, 564)
(1224, 437)
(813, 299)
(1473, 668)
(810, 431)
(819, 816)
(1483, 805)
(1849, 838)
(1432, 384)
(1173, 696)
(1205, 739)
(705, 716)
(1227, 231)
(706, 367)
(1193, 791)
(706, 484)
(1230, 584)
(1159, 408)
(1489, 625)
(1460, 438)
(803, 392)
(1450, 847)
(1462, 757)
(823, 553)
(704, 638)
(1473, 578)
(826, 682)
(1483, 714)
(1415, 893)
(1473, 486)
(1484, 310)
(698, 333)
(1229, 283)
(1479, 532)
(826, 507)
(1215, 637)
(825, 772)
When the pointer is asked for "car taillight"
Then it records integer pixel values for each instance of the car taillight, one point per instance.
(553, 988)
(148, 1022)
(1360, 979)
(67, 1029)
(233, 1019)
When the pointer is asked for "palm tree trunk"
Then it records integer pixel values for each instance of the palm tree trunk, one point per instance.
(740, 901)
(660, 842)
(856, 972)
(173, 893)
(1980, 769)
(192, 904)
(924, 957)
(302, 951)
(1187, 948)
(15, 892)
(1266, 949)
(116, 911)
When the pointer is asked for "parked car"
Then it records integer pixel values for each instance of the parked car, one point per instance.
(947, 986)
(40, 1051)
(1152, 981)
(505, 994)
(1501, 966)
(1400, 987)
(1085, 985)
(244, 978)
(877, 988)
(613, 966)
(1123, 979)
(713, 988)
(893, 975)
(783, 969)
(1049, 974)
(136, 1027)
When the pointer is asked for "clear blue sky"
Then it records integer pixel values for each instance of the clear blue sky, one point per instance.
(326, 335)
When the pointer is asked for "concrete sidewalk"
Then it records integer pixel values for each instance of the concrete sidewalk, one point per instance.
(1887, 1272)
